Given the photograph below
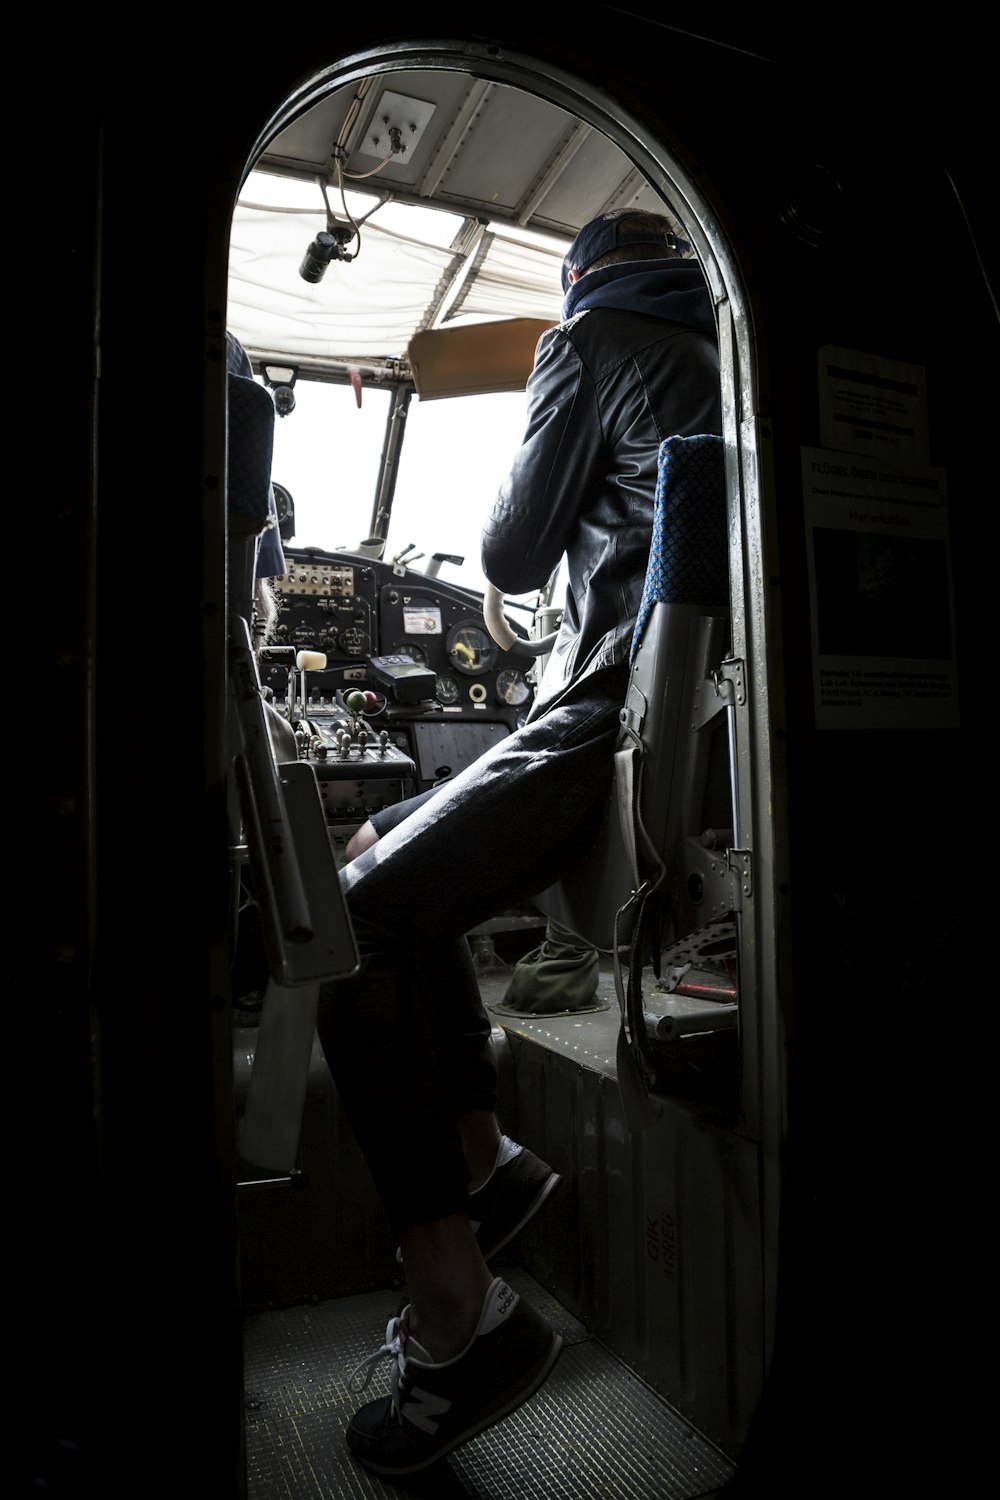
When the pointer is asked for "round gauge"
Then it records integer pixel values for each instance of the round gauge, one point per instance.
(407, 648)
(354, 642)
(447, 690)
(471, 649)
(512, 688)
(283, 503)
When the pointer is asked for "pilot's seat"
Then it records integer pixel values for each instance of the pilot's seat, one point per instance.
(657, 887)
(250, 441)
(277, 822)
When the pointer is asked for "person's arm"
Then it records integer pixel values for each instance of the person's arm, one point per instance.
(561, 459)
(237, 358)
(270, 552)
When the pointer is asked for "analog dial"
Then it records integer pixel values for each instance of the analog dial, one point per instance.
(447, 690)
(512, 688)
(410, 648)
(471, 650)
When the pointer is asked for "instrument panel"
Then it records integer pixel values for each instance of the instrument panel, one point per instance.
(352, 609)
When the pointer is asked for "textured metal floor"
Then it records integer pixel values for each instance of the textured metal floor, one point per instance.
(592, 1430)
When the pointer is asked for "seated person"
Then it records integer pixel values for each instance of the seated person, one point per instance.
(561, 974)
(407, 1040)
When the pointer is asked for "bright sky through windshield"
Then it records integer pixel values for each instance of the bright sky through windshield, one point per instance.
(455, 455)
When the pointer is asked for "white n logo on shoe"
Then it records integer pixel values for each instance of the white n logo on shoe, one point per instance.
(425, 1410)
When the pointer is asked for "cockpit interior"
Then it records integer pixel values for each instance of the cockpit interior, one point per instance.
(751, 1095)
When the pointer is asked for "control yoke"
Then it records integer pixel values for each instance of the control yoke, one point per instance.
(502, 632)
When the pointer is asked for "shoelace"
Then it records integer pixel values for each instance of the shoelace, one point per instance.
(396, 1333)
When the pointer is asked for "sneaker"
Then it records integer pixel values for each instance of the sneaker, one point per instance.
(509, 1198)
(434, 1407)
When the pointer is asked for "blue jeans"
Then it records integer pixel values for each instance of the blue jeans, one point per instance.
(408, 1040)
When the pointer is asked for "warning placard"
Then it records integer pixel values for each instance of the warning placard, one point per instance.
(881, 593)
(870, 404)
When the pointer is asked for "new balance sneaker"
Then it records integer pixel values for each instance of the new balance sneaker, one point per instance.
(510, 1197)
(434, 1407)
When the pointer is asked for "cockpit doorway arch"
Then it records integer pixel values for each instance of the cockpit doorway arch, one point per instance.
(668, 167)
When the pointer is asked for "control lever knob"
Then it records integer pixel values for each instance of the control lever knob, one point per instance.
(310, 661)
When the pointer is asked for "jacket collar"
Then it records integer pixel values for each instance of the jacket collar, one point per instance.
(674, 290)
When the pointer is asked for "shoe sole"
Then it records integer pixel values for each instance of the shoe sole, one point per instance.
(474, 1428)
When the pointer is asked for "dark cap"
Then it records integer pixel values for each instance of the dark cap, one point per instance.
(612, 231)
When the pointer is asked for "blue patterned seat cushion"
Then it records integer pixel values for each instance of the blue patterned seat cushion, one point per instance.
(689, 549)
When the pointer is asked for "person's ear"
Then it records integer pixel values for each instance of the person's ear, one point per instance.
(572, 276)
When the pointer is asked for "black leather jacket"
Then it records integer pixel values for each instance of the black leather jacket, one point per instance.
(607, 387)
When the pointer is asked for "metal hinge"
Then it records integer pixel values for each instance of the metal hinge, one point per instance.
(730, 681)
(740, 862)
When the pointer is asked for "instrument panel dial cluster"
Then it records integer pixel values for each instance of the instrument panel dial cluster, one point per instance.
(358, 611)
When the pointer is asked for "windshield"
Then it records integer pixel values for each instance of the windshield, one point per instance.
(454, 458)
(408, 268)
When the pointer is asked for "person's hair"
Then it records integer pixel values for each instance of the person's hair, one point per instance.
(633, 252)
(265, 613)
(656, 224)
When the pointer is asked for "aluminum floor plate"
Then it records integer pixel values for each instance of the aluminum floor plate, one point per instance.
(593, 1429)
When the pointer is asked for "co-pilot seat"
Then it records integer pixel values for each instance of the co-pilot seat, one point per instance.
(249, 448)
(657, 887)
(277, 821)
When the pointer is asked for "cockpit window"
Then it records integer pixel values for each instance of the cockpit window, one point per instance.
(326, 454)
(454, 460)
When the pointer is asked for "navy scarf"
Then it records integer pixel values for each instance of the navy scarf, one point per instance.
(671, 289)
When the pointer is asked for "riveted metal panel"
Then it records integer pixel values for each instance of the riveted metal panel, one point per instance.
(654, 1239)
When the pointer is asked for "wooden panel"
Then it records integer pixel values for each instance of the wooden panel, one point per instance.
(476, 360)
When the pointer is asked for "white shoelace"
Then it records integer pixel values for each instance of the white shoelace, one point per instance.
(395, 1337)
